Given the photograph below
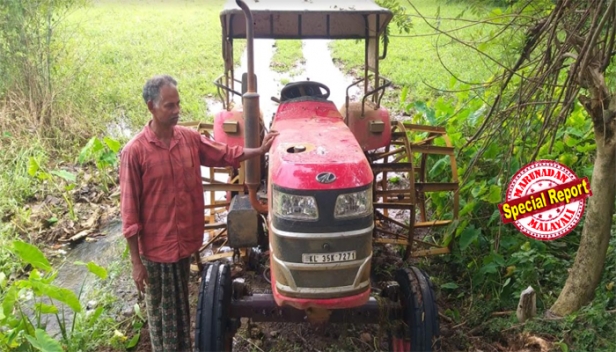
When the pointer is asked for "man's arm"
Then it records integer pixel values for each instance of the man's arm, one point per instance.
(130, 194)
(215, 154)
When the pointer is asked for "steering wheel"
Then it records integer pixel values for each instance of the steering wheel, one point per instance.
(303, 88)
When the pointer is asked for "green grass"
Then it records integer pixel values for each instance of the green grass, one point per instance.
(287, 57)
(109, 49)
(123, 43)
(413, 59)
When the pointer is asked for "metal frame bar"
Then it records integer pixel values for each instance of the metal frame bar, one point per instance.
(263, 308)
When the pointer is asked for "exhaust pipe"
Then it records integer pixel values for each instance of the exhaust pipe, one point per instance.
(250, 102)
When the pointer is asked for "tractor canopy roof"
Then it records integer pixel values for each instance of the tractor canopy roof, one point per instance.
(307, 19)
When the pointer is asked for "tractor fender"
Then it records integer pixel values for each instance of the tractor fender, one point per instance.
(229, 126)
(373, 129)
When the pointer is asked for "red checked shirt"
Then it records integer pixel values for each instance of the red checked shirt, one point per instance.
(162, 194)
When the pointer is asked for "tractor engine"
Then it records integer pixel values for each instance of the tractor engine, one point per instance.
(321, 212)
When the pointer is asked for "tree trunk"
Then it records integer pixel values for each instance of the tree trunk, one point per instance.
(585, 274)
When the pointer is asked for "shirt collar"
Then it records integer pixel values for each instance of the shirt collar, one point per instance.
(152, 138)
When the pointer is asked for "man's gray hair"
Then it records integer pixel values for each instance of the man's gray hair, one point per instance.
(151, 90)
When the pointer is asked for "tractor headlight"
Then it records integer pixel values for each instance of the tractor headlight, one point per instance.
(294, 207)
(352, 205)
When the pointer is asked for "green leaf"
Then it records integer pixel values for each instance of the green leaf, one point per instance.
(46, 308)
(470, 206)
(491, 268)
(450, 286)
(404, 93)
(35, 344)
(112, 144)
(70, 177)
(60, 294)
(93, 146)
(32, 255)
(587, 147)
(2, 279)
(8, 303)
(570, 141)
(495, 215)
(134, 340)
(108, 159)
(33, 166)
(479, 189)
(468, 236)
(568, 159)
(563, 346)
(494, 195)
(94, 269)
(138, 311)
(45, 342)
(97, 313)
(439, 167)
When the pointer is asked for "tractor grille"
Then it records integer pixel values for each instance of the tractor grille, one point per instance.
(321, 280)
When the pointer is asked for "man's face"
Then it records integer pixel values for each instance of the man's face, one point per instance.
(167, 110)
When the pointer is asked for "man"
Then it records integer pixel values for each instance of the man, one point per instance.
(163, 208)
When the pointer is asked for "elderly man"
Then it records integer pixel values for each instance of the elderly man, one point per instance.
(163, 208)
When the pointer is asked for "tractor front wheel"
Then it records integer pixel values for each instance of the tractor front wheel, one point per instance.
(213, 330)
(420, 327)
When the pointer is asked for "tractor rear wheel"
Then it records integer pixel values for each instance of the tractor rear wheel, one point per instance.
(213, 331)
(420, 327)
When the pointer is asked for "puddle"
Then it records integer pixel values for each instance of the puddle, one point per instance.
(120, 128)
(321, 68)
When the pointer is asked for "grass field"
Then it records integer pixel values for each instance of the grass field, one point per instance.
(413, 59)
(288, 57)
(122, 43)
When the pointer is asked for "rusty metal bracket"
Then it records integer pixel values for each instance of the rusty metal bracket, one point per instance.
(263, 308)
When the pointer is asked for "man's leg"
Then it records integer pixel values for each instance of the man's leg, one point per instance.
(170, 308)
(153, 300)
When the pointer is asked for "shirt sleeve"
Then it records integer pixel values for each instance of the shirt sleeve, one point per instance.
(130, 192)
(216, 154)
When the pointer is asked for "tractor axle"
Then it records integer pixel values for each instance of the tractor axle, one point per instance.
(263, 308)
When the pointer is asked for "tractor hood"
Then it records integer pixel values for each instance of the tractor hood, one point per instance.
(315, 149)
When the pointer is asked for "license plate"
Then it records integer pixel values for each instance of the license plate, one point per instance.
(310, 258)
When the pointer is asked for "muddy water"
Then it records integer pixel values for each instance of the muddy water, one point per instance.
(104, 251)
(321, 68)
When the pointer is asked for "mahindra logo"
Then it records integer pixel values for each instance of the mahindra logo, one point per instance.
(326, 177)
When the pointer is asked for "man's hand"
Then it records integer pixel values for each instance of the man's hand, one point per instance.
(140, 275)
(250, 153)
(268, 140)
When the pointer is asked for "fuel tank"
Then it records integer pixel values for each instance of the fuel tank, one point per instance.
(321, 218)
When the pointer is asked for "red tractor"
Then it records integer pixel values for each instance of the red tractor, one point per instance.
(321, 201)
